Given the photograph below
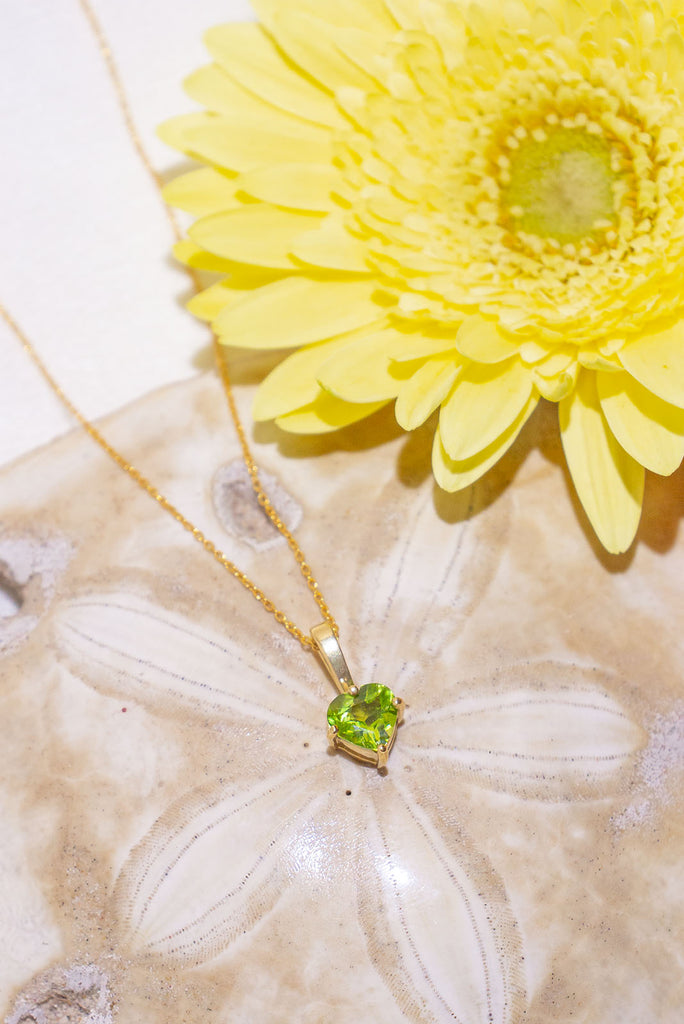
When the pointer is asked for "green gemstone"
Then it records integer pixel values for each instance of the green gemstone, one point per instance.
(366, 720)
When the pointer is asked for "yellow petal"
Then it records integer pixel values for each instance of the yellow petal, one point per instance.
(326, 414)
(174, 131)
(533, 352)
(361, 47)
(199, 259)
(652, 431)
(216, 90)
(454, 475)
(482, 341)
(657, 362)
(412, 345)
(310, 43)
(557, 361)
(420, 395)
(331, 247)
(298, 186)
(202, 191)
(592, 359)
(292, 384)
(209, 303)
(298, 311)
(558, 387)
(427, 61)
(609, 482)
(239, 144)
(609, 347)
(249, 56)
(674, 45)
(371, 15)
(449, 30)
(257, 233)
(406, 13)
(482, 405)
(361, 371)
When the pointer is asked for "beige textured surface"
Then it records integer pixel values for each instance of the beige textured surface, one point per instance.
(179, 846)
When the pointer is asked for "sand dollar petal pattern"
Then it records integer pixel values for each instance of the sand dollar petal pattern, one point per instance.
(538, 737)
(214, 865)
(446, 941)
(124, 642)
(221, 858)
(194, 886)
(244, 821)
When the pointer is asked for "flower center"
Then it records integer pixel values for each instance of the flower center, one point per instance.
(539, 184)
(561, 185)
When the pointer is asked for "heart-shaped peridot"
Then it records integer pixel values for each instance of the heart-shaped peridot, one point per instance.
(366, 719)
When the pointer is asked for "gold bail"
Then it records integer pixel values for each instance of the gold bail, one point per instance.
(330, 653)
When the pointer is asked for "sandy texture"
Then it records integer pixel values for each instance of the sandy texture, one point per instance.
(180, 846)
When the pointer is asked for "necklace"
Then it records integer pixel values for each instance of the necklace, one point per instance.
(362, 721)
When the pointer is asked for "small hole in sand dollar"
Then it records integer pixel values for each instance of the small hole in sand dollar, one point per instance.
(72, 995)
(11, 598)
(239, 513)
(348, 792)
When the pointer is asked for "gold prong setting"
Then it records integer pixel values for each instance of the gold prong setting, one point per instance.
(375, 745)
(362, 721)
(383, 754)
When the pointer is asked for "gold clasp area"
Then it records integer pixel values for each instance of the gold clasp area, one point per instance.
(330, 653)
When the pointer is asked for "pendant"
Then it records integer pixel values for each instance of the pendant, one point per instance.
(362, 721)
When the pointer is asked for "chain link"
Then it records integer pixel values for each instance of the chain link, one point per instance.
(222, 366)
(253, 470)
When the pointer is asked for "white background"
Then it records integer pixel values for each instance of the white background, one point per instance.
(85, 245)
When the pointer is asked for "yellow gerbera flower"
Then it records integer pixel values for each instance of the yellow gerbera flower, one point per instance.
(453, 205)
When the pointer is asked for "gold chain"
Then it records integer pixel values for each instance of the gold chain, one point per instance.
(168, 506)
(222, 366)
(135, 474)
